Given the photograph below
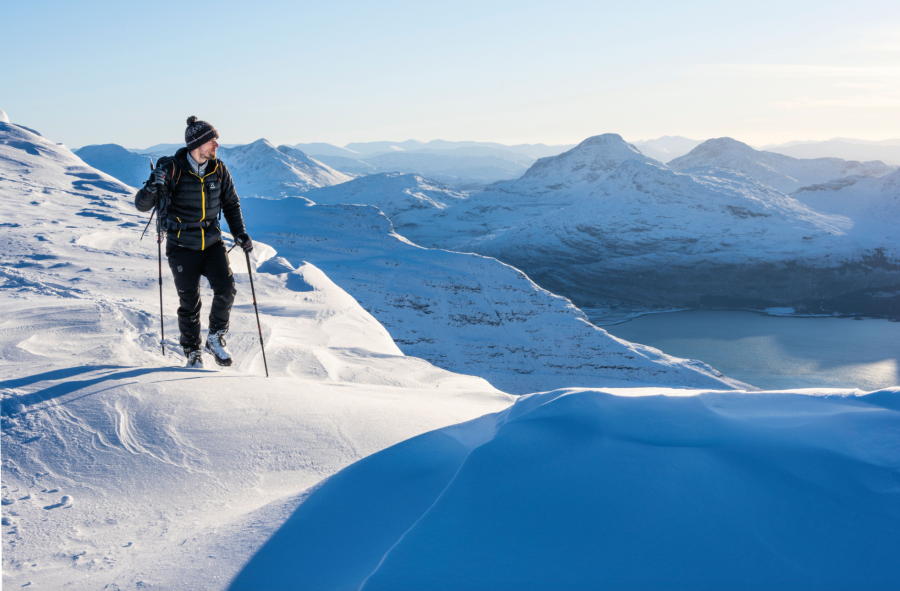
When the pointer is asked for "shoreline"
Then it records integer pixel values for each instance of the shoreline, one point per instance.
(598, 320)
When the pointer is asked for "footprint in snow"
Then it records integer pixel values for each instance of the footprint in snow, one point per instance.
(65, 502)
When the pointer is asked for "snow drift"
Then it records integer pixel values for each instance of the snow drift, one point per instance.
(592, 489)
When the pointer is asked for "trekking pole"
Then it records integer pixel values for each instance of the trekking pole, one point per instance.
(162, 330)
(258, 325)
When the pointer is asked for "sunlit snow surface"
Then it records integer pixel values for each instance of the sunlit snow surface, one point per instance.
(614, 489)
(121, 470)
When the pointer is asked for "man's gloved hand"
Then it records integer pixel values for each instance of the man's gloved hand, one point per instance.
(159, 175)
(243, 240)
(157, 178)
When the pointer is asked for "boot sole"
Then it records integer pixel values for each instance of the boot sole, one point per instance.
(222, 362)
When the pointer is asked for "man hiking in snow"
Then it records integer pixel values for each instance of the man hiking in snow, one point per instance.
(194, 189)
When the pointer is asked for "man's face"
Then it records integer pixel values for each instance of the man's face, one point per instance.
(208, 150)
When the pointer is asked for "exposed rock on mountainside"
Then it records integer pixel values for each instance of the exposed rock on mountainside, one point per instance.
(782, 172)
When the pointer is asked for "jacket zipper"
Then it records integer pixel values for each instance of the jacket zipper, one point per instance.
(203, 203)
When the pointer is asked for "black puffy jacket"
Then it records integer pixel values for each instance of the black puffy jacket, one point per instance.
(193, 201)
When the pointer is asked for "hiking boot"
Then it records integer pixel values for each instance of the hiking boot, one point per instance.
(215, 346)
(194, 358)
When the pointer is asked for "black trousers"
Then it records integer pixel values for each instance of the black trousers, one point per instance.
(187, 267)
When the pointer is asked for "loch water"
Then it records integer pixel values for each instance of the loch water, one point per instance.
(776, 352)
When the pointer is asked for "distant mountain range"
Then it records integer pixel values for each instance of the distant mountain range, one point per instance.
(887, 151)
(667, 147)
(606, 225)
(785, 173)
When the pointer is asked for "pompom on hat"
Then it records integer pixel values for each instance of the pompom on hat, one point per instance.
(198, 133)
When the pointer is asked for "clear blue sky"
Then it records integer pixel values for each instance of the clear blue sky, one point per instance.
(554, 72)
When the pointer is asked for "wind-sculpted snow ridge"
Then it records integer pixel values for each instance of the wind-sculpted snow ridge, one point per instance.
(123, 470)
(607, 489)
(463, 312)
(260, 169)
(781, 172)
(33, 163)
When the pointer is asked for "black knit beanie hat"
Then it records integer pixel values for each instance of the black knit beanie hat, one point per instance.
(198, 133)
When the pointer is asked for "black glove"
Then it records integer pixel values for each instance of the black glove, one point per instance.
(243, 240)
(158, 177)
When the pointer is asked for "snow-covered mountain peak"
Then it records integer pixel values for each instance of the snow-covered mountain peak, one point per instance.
(261, 169)
(782, 172)
(719, 146)
(600, 152)
(586, 162)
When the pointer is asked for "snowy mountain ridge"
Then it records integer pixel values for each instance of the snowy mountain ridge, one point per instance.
(260, 169)
(782, 172)
(604, 224)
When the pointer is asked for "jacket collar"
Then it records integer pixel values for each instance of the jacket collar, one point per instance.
(183, 161)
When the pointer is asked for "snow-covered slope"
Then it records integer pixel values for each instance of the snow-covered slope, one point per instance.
(31, 163)
(608, 490)
(605, 224)
(459, 170)
(407, 199)
(782, 172)
(120, 469)
(349, 166)
(464, 313)
(322, 149)
(130, 168)
(871, 203)
(261, 170)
